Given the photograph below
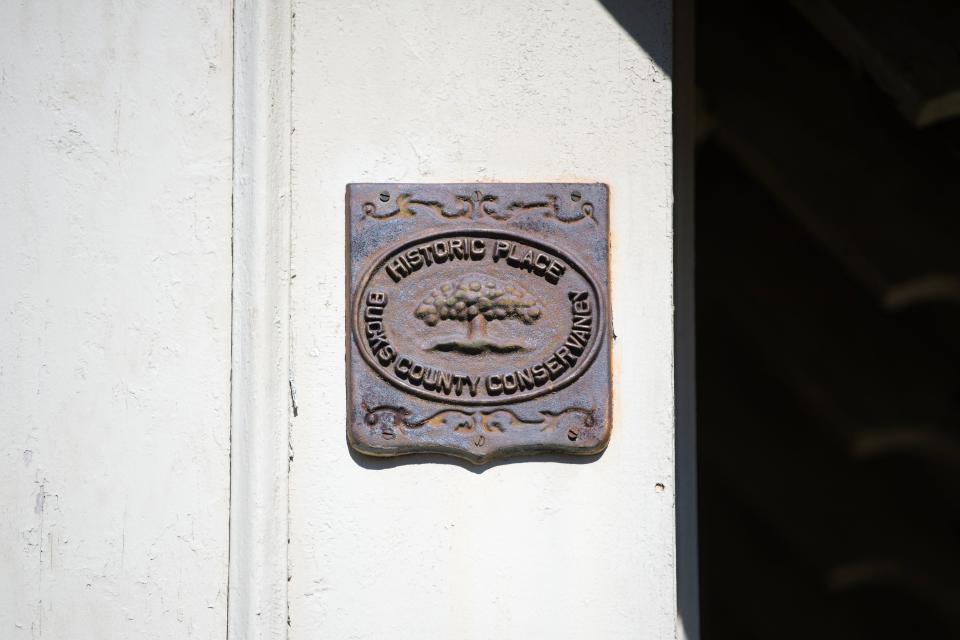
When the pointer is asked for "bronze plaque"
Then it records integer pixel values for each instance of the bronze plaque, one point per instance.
(479, 319)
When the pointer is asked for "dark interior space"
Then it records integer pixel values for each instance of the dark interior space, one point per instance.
(827, 323)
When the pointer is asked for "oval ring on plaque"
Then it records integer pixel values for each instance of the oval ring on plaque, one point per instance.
(478, 317)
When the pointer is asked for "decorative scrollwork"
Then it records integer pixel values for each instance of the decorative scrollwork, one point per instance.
(386, 420)
(390, 421)
(407, 205)
(579, 424)
(477, 205)
(550, 207)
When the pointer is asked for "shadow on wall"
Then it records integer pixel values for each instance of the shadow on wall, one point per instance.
(641, 20)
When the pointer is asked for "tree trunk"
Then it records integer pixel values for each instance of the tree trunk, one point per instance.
(477, 326)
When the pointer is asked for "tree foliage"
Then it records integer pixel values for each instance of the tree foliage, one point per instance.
(477, 296)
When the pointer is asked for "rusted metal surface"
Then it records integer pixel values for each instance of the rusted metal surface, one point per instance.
(479, 319)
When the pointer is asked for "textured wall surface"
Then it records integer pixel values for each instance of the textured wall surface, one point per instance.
(115, 320)
(115, 186)
(459, 91)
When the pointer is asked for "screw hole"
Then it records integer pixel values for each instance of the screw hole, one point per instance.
(575, 196)
(384, 196)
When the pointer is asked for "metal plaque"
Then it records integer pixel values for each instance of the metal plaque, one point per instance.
(479, 319)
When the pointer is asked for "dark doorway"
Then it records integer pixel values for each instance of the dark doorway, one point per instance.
(828, 319)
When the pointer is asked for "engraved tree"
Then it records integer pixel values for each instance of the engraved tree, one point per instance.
(477, 300)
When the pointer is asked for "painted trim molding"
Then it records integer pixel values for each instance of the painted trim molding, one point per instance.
(260, 387)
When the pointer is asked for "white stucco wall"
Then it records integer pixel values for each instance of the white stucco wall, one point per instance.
(126, 132)
(503, 90)
(115, 186)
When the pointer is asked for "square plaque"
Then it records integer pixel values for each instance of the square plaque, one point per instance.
(479, 319)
